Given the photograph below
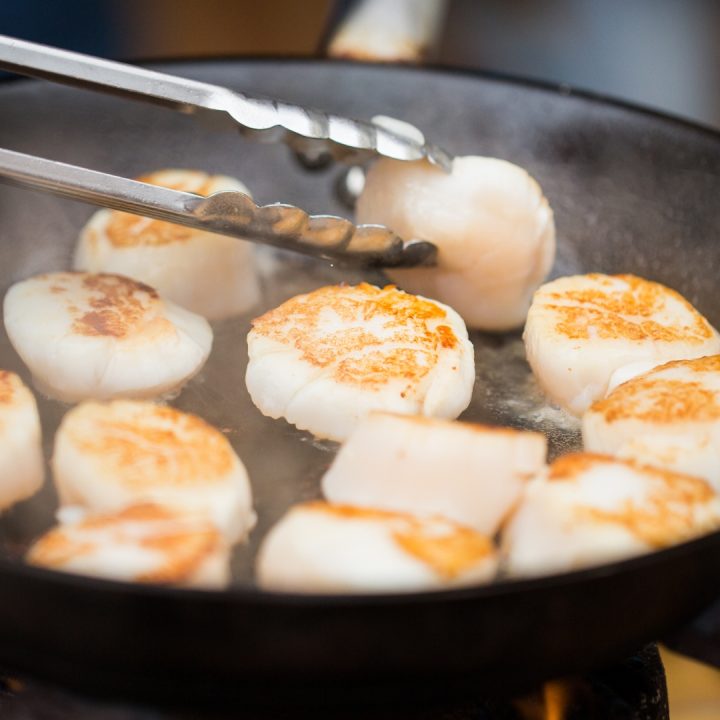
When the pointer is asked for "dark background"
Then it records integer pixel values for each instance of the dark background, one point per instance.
(660, 53)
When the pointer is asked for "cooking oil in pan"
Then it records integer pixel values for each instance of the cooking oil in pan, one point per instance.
(285, 465)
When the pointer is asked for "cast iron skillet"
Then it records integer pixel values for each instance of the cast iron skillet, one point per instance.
(632, 192)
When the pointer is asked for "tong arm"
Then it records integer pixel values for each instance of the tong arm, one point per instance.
(302, 128)
(228, 213)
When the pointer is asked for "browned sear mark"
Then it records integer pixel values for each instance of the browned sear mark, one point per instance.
(448, 554)
(661, 401)
(612, 313)
(654, 398)
(8, 382)
(667, 513)
(569, 466)
(117, 303)
(126, 230)
(374, 368)
(449, 549)
(158, 446)
(180, 543)
(367, 335)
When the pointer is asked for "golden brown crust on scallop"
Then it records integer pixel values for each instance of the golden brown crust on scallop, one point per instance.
(665, 400)
(118, 304)
(609, 313)
(568, 466)
(446, 547)
(667, 513)
(666, 516)
(180, 544)
(141, 444)
(405, 345)
(9, 382)
(126, 230)
(112, 306)
(449, 554)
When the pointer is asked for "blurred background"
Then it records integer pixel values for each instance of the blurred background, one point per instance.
(660, 53)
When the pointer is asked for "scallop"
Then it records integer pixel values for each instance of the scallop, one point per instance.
(589, 509)
(493, 227)
(211, 275)
(103, 336)
(325, 359)
(21, 459)
(472, 474)
(669, 417)
(585, 334)
(143, 543)
(109, 456)
(322, 548)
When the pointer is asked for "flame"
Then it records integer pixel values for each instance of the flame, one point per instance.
(551, 703)
(556, 695)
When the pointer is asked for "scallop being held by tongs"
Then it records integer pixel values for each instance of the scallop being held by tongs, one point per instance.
(233, 213)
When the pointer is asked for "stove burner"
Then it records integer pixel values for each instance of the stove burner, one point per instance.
(634, 689)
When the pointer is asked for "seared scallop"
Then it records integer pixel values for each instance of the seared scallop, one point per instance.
(324, 548)
(212, 275)
(143, 543)
(585, 334)
(325, 359)
(493, 227)
(109, 456)
(21, 460)
(103, 336)
(669, 417)
(472, 474)
(590, 509)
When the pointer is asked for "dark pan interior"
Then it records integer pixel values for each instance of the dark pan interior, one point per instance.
(631, 191)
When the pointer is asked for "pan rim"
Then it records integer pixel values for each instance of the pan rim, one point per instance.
(257, 596)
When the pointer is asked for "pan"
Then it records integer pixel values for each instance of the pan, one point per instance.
(632, 191)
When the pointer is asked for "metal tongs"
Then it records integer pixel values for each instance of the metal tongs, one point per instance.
(229, 213)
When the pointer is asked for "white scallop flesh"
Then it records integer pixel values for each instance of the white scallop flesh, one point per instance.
(472, 474)
(585, 333)
(22, 468)
(142, 543)
(322, 548)
(668, 417)
(109, 456)
(103, 336)
(493, 227)
(325, 359)
(590, 509)
(209, 274)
